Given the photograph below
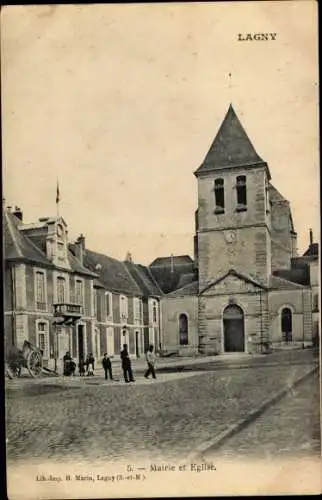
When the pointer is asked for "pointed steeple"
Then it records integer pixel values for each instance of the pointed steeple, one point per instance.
(231, 147)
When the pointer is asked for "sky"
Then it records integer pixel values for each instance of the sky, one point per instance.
(121, 103)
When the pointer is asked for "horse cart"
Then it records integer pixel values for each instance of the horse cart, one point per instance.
(29, 357)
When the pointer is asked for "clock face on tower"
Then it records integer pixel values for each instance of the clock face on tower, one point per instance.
(230, 236)
(60, 231)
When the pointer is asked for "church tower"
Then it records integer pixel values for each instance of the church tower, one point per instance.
(233, 208)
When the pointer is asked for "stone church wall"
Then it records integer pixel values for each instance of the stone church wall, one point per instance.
(211, 329)
(299, 303)
(171, 309)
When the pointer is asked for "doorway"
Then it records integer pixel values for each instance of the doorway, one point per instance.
(234, 330)
(286, 324)
(80, 338)
(146, 339)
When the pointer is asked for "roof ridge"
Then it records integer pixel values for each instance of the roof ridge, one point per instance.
(131, 277)
(104, 255)
(296, 285)
(181, 288)
(154, 280)
(82, 266)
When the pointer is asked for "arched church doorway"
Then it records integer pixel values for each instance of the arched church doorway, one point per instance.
(286, 324)
(234, 331)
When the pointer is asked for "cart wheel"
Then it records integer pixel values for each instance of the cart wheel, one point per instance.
(34, 364)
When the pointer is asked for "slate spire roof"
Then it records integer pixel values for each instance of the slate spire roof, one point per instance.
(231, 147)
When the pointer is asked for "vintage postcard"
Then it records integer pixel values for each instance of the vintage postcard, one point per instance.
(161, 222)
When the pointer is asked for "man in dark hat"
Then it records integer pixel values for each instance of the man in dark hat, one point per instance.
(107, 365)
(126, 365)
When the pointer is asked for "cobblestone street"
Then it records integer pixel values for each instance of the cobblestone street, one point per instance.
(290, 428)
(164, 419)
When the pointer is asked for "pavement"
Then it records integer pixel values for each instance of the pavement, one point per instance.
(88, 418)
(185, 364)
(290, 428)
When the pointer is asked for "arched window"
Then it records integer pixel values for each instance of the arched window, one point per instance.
(219, 196)
(286, 324)
(183, 329)
(241, 193)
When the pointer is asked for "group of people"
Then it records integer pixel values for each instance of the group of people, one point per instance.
(87, 365)
(127, 365)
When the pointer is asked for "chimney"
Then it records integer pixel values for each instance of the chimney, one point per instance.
(80, 248)
(128, 257)
(18, 213)
(172, 263)
(311, 237)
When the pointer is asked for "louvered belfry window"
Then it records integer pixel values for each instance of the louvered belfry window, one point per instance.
(219, 196)
(241, 192)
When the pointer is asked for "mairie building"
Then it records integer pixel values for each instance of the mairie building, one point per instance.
(245, 290)
(63, 297)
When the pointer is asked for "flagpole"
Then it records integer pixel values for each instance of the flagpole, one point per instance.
(57, 199)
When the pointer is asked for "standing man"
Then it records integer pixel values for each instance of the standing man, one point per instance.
(107, 365)
(150, 359)
(126, 365)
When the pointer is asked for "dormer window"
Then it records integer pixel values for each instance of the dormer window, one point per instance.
(241, 193)
(60, 251)
(219, 196)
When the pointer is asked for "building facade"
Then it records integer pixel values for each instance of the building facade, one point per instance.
(63, 297)
(245, 290)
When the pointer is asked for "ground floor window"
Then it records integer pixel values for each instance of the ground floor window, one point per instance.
(286, 324)
(42, 335)
(183, 329)
(110, 340)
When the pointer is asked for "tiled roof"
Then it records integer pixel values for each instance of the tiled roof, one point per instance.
(176, 260)
(112, 273)
(313, 250)
(274, 194)
(17, 246)
(77, 266)
(300, 275)
(186, 279)
(168, 279)
(301, 262)
(144, 279)
(190, 289)
(168, 271)
(231, 147)
(278, 283)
